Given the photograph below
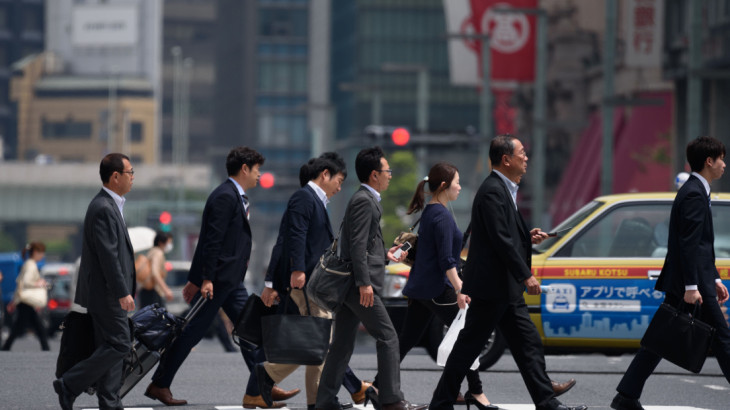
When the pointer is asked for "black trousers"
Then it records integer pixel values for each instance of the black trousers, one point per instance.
(524, 342)
(147, 297)
(419, 314)
(26, 316)
(645, 362)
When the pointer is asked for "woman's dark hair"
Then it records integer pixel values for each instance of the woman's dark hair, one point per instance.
(367, 161)
(441, 172)
(110, 164)
(330, 161)
(32, 248)
(501, 145)
(161, 237)
(241, 156)
(701, 148)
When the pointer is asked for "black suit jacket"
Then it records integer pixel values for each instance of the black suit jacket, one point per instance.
(224, 245)
(106, 272)
(305, 233)
(690, 256)
(362, 239)
(500, 253)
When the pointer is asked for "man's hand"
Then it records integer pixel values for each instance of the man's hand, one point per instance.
(127, 303)
(538, 235)
(533, 286)
(207, 289)
(722, 295)
(392, 257)
(692, 296)
(462, 300)
(269, 296)
(189, 291)
(298, 278)
(367, 298)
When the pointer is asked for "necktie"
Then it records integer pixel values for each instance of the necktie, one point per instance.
(245, 204)
(709, 199)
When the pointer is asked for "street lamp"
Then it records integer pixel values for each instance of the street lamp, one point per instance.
(421, 90)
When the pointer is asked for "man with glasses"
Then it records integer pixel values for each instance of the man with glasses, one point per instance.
(105, 287)
(362, 242)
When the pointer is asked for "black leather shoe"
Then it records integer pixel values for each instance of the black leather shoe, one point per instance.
(65, 397)
(266, 383)
(621, 402)
(556, 405)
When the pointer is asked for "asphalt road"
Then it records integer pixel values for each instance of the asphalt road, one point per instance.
(212, 379)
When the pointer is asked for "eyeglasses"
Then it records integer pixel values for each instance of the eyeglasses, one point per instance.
(389, 171)
(127, 172)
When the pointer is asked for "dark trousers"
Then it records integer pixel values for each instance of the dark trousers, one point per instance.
(378, 324)
(104, 366)
(232, 302)
(645, 362)
(147, 297)
(523, 340)
(26, 316)
(419, 315)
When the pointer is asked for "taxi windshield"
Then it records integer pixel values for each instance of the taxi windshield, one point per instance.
(573, 220)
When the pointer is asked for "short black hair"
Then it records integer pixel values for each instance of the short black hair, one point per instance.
(367, 161)
(701, 148)
(501, 145)
(241, 156)
(161, 237)
(110, 164)
(330, 161)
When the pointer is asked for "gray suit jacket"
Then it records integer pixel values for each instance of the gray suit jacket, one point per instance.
(362, 240)
(106, 273)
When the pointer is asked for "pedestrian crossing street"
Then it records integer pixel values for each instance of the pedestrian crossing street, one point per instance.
(501, 406)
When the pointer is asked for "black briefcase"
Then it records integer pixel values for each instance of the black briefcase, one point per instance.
(77, 341)
(247, 330)
(679, 336)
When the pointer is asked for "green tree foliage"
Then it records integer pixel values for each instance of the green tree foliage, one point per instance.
(398, 195)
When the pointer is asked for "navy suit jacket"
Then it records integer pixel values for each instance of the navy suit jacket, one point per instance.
(106, 272)
(690, 256)
(500, 253)
(305, 233)
(224, 245)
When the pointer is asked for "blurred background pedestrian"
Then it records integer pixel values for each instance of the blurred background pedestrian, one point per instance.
(153, 287)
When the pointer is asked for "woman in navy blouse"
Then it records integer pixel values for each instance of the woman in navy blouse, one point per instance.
(434, 285)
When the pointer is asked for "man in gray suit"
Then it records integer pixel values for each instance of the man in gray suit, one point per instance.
(105, 287)
(362, 242)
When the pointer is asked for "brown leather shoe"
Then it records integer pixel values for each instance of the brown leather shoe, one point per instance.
(164, 395)
(359, 396)
(560, 388)
(277, 393)
(404, 405)
(251, 402)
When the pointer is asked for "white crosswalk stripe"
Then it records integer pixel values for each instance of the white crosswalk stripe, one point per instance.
(501, 405)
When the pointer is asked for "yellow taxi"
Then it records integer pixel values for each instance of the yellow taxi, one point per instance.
(601, 269)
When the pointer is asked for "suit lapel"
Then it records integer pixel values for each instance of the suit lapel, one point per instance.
(375, 200)
(322, 210)
(114, 206)
(524, 230)
(239, 203)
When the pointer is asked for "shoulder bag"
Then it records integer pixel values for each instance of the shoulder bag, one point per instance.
(331, 279)
(411, 238)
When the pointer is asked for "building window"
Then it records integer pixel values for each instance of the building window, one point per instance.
(68, 129)
(4, 18)
(276, 22)
(136, 132)
(33, 19)
(283, 76)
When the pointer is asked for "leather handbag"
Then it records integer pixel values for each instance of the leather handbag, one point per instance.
(295, 339)
(411, 238)
(155, 327)
(679, 337)
(331, 279)
(247, 329)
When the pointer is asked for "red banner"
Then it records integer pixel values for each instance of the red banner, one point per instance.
(512, 37)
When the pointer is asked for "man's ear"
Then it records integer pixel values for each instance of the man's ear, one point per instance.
(245, 168)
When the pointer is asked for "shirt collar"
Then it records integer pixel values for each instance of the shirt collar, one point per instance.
(119, 200)
(371, 189)
(704, 182)
(511, 186)
(238, 186)
(320, 193)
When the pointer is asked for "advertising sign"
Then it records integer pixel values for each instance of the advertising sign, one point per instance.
(105, 25)
(643, 32)
(511, 40)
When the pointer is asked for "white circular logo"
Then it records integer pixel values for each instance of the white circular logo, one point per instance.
(508, 32)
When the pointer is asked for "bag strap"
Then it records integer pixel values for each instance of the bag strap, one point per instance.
(414, 225)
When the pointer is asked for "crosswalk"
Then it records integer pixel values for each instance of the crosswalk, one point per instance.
(501, 406)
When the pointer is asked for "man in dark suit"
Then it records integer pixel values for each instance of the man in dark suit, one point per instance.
(106, 288)
(689, 271)
(304, 235)
(497, 272)
(362, 243)
(217, 270)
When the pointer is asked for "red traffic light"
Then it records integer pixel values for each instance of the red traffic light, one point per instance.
(266, 180)
(400, 136)
(165, 218)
